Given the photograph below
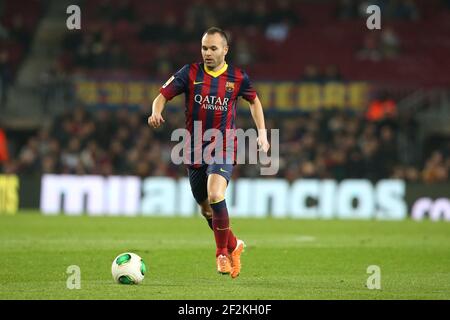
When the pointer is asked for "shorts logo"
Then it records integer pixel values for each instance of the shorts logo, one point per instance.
(221, 170)
(168, 81)
(229, 86)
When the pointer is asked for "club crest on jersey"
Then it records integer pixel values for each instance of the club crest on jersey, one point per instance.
(168, 81)
(229, 86)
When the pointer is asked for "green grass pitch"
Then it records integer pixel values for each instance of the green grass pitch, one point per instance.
(284, 259)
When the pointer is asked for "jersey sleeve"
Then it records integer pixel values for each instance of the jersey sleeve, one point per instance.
(176, 84)
(247, 91)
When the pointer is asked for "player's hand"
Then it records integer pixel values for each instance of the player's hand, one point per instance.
(155, 120)
(263, 144)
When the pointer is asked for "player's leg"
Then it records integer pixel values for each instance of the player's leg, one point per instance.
(216, 196)
(216, 187)
(198, 181)
(227, 243)
(207, 212)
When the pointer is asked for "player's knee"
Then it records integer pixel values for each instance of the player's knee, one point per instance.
(215, 196)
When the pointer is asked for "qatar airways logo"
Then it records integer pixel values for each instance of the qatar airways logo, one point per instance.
(212, 102)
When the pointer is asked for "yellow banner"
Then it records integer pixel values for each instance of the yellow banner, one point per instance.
(287, 96)
(9, 194)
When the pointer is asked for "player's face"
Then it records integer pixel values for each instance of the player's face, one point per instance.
(214, 49)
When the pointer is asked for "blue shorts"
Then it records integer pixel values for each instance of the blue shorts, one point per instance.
(198, 178)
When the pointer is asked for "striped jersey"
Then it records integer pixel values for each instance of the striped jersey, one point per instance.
(210, 103)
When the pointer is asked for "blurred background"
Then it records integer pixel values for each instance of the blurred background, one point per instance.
(350, 103)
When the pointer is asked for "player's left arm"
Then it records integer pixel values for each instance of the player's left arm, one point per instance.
(258, 117)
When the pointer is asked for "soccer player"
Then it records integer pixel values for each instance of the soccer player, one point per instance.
(212, 89)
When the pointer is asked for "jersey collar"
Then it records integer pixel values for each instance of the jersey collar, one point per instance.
(217, 73)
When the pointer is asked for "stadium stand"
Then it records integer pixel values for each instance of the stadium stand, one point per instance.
(302, 41)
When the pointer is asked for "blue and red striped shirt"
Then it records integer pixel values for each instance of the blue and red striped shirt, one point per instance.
(210, 98)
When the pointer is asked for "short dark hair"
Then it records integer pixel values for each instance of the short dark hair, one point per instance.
(214, 30)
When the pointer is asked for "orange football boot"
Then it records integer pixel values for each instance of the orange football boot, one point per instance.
(223, 264)
(236, 258)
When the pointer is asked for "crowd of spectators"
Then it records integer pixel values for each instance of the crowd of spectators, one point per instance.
(16, 33)
(116, 36)
(315, 74)
(101, 47)
(390, 9)
(380, 46)
(321, 144)
(115, 28)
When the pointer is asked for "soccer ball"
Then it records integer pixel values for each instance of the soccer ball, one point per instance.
(128, 268)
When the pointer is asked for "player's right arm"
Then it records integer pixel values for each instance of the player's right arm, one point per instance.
(156, 119)
(173, 87)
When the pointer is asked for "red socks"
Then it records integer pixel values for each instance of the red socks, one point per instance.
(221, 228)
(232, 241)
